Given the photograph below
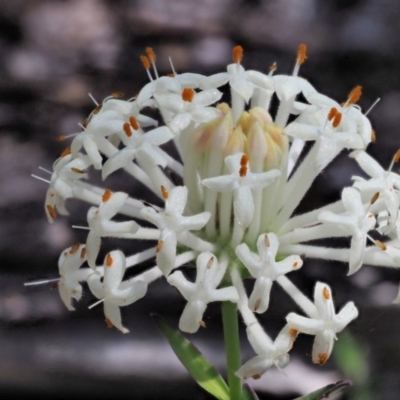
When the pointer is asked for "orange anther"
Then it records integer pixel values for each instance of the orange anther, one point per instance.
(134, 123)
(273, 67)
(164, 192)
(83, 252)
(160, 245)
(145, 61)
(293, 333)
(374, 198)
(127, 129)
(301, 54)
(373, 136)
(74, 248)
(326, 293)
(243, 166)
(381, 245)
(109, 323)
(322, 358)
(151, 54)
(97, 109)
(106, 195)
(117, 95)
(256, 376)
(237, 54)
(66, 151)
(354, 95)
(188, 94)
(109, 260)
(332, 113)
(337, 120)
(295, 264)
(61, 138)
(171, 75)
(51, 211)
(396, 157)
(77, 170)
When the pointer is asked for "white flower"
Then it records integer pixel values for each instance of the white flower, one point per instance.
(173, 225)
(203, 291)
(325, 325)
(100, 224)
(241, 182)
(111, 290)
(265, 269)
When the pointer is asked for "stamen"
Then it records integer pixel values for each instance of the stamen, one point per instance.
(51, 211)
(127, 129)
(202, 324)
(188, 94)
(151, 54)
(373, 136)
(95, 304)
(109, 260)
(257, 304)
(85, 123)
(41, 282)
(83, 252)
(93, 99)
(45, 170)
(109, 323)
(172, 67)
(106, 195)
(273, 68)
(243, 166)
(266, 241)
(74, 248)
(97, 109)
(61, 138)
(65, 152)
(164, 192)
(134, 123)
(160, 245)
(373, 105)
(117, 95)
(146, 62)
(395, 159)
(381, 245)
(39, 178)
(77, 170)
(332, 113)
(293, 333)
(86, 228)
(374, 198)
(301, 54)
(354, 96)
(322, 358)
(237, 54)
(210, 262)
(336, 121)
(326, 294)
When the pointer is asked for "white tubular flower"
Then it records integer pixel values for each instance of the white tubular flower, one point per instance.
(110, 289)
(66, 171)
(381, 181)
(265, 269)
(269, 353)
(203, 291)
(173, 225)
(100, 224)
(326, 325)
(188, 106)
(69, 263)
(241, 182)
(357, 223)
(139, 145)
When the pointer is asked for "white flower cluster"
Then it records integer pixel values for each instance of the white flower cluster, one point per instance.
(241, 179)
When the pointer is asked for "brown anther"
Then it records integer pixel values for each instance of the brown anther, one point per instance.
(243, 166)
(266, 241)
(171, 75)
(396, 157)
(117, 95)
(293, 333)
(374, 198)
(256, 376)
(85, 122)
(295, 264)
(381, 245)
(188, 94)
(109, 260)
(373, 136)
(83, 253)
(65, 152)
(237, 54)
(97, 109)
(106, 195)
(301, 54)
(61, 138)
(202, 324)
(326, 293)
(322, 358)
(151, 54)
(337, 120)
(77, 170)
(160, 245)
(134, 123)
(54, 285)
(51, 211)
(127, 129)
(74, 248)
(354, 95)
(65, 253)
(109, 323)
(257, 304)
(332, 113)
(164, 192)
(145, 61)
(52, 194)
(273, 67)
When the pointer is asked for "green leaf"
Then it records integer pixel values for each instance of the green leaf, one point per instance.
(248, 393)
(328, 391)
(201, 370)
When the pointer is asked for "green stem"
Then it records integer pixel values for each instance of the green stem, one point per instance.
(232, 348)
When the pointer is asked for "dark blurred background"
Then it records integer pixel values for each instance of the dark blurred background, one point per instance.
(53, 53)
